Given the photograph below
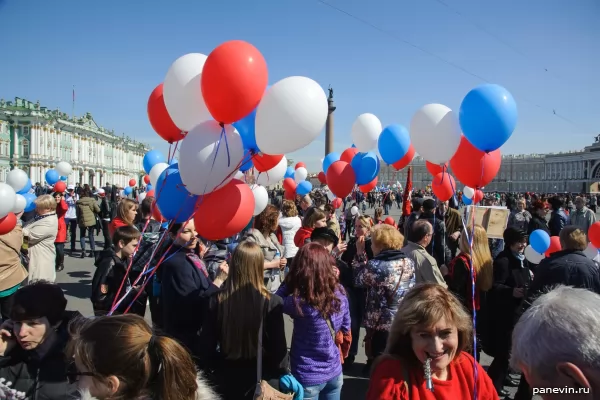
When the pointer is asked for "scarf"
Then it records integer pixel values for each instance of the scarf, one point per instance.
(38, 217)
(197, 262)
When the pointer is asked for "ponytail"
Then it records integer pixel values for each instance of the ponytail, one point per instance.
(172, 371)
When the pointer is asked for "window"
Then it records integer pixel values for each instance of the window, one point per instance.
(26, 130)
(25, 148)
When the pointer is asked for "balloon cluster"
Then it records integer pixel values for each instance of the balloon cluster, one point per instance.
(57, 177)
(227, 120)
(471, 196)
(295, 183)
(14, 199)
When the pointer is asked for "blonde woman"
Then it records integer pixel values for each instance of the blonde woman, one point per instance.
(40, 235)
(431, 327)
(459, 276)
(119, 357)
(228, 341)
(386, 278)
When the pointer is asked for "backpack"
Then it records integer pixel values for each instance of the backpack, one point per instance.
(148, 242)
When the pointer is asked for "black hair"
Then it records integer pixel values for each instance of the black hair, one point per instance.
(513, 235)
(37, 300)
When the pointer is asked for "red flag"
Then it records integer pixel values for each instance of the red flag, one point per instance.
(406, 196)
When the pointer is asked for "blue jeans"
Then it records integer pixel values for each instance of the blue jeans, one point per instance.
(330, 390)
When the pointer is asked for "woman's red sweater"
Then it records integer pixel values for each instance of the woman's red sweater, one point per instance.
(387, 382)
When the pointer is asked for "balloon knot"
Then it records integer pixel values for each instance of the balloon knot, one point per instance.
(222, 125)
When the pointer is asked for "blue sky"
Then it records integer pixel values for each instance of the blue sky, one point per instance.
(115, 52)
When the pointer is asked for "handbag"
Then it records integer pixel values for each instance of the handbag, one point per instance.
(264, 391)
(23, 257)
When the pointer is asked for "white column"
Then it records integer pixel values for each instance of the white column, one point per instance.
(16, 140)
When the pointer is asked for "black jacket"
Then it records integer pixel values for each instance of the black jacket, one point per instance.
(536, 223)
(43, 378)
(185, 291)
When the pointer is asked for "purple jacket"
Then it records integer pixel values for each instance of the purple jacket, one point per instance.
(315, 358)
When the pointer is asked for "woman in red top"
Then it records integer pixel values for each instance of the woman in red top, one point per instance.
(314, 218)
(430, 324)
(126, 212)
(61, 236)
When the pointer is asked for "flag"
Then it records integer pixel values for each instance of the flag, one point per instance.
(406, 196)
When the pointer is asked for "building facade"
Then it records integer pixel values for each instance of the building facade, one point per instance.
(573, 171)
(35, 139)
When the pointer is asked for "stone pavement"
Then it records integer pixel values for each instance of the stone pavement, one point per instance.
(76, 281)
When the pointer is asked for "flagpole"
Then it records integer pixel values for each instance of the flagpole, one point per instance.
(73, 106)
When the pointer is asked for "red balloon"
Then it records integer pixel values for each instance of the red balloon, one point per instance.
(341, 178)
(389, 221)
(322, 178)
(147, 179)
(435, 169)
(290, 194)
(264, 162)
(554, 245)
(60, 187)
(404, 161)
(349, 154)
(443, 186)
(473, 167)
(224, 212)
(156, 214)
(8, 223)
(594, 234)
(478, 196)
(366, 188)
(150, 193)
(289, 184)
(132, 182)
(299, 165)
(336, 203)
(234, 79)
(160, 119)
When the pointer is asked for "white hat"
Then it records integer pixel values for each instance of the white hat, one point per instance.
(71, 187)
(101, 192)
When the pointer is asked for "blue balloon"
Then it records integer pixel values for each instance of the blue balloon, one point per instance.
(29, 205)
(26, 188)
(149, 187)
(330, 159)
(63, 178)
(52, 176)
(539, 240)
(467, 200)
(152, 158)
(366, 167)
(488, 116)
(246, 129)
(174, 202)
(174, 161)
(127, 190)
(289, 173)
(246, 161)
(393, 143)
(304, 188)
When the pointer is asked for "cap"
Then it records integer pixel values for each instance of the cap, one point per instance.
(101, 192)
(324, 233)
(429, 204)
(71, 187)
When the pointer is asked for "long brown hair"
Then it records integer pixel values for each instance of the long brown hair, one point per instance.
(123, 209)
(311, 280)
(266, 221)
(242, 302)
(425, 305)
(481, 257)
(147, 366)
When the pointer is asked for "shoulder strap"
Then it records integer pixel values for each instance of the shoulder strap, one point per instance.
(259, 347)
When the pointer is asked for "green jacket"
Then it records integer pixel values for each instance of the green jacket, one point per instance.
(87, 208)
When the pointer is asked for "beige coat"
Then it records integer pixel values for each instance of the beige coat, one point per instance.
(11, 271)
(42, 253)
(426, 268)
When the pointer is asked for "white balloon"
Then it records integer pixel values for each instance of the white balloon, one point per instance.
(468, 192)
(300, 174)
(291, 114)
(533, 256)
(142, 196)
(239, 176)
(354, 210)
(204, 162)
(64, 168)
(7, 199)
(156, 171)
(261, 198)
(182, 94)
(17, 179)
(591, 251)
(330, 194)
(435, 133)
(20, 204)
(273, 175)
(365, 132)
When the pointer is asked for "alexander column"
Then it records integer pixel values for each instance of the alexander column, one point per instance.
(329, 124)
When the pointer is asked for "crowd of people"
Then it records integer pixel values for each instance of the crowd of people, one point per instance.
(431, 290)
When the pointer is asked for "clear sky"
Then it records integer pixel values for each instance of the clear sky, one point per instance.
(405, 53)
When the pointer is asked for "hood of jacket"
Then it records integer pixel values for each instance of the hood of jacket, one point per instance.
(203, 392)
(85, 201)
(390, 255)
(290, 222)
